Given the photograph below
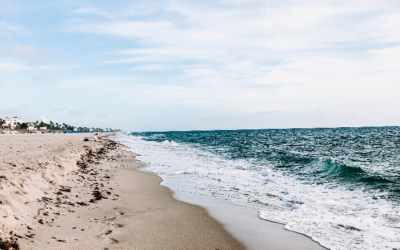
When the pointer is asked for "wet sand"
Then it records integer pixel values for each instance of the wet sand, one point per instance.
(244, 224)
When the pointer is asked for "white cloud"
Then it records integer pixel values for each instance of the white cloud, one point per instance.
(43, 78)
(29, 56)
(12, 66)
(101, 82)
(91, 11)
(152, 67)
(3, 31)
(9, 26)
(5, 28)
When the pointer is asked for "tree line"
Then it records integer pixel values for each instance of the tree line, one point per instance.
(59, 126)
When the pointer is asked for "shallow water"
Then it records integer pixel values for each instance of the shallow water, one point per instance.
(339, 186)
(243, 223)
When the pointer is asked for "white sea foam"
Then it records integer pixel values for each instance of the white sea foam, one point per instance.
(335, 217)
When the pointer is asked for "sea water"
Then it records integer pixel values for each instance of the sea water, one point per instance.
(339, 186)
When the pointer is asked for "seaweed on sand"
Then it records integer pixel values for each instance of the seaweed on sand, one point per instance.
(9, 244)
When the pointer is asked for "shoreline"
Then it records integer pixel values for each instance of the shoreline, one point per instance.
(63, 193)
(246, 226)
(103, 203)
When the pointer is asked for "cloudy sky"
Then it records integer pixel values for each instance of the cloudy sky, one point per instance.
(193, 65)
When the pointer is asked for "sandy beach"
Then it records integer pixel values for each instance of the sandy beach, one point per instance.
(59, 192)
(46, 200)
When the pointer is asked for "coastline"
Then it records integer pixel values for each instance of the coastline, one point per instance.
(134, 211)
(244, 224)
(46, 203)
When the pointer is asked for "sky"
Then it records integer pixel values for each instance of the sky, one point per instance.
(201, 65)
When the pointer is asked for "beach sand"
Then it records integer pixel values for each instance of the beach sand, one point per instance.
(46, 200)
(137, 214)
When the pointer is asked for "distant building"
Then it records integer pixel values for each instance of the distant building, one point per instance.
(47, 121)
(32, 127)
(10, 122)
(43, 128)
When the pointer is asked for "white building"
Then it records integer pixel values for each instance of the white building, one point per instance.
(32, 127)
(10, 122)
(44, 120)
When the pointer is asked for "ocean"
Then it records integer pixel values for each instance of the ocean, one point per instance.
(339, 186)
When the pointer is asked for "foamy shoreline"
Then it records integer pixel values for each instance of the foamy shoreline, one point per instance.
(241, 221)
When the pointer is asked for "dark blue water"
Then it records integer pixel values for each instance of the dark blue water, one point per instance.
(365, 158)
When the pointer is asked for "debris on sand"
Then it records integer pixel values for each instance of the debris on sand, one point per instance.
(9, 244)
(111, 241)
(65, 189)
